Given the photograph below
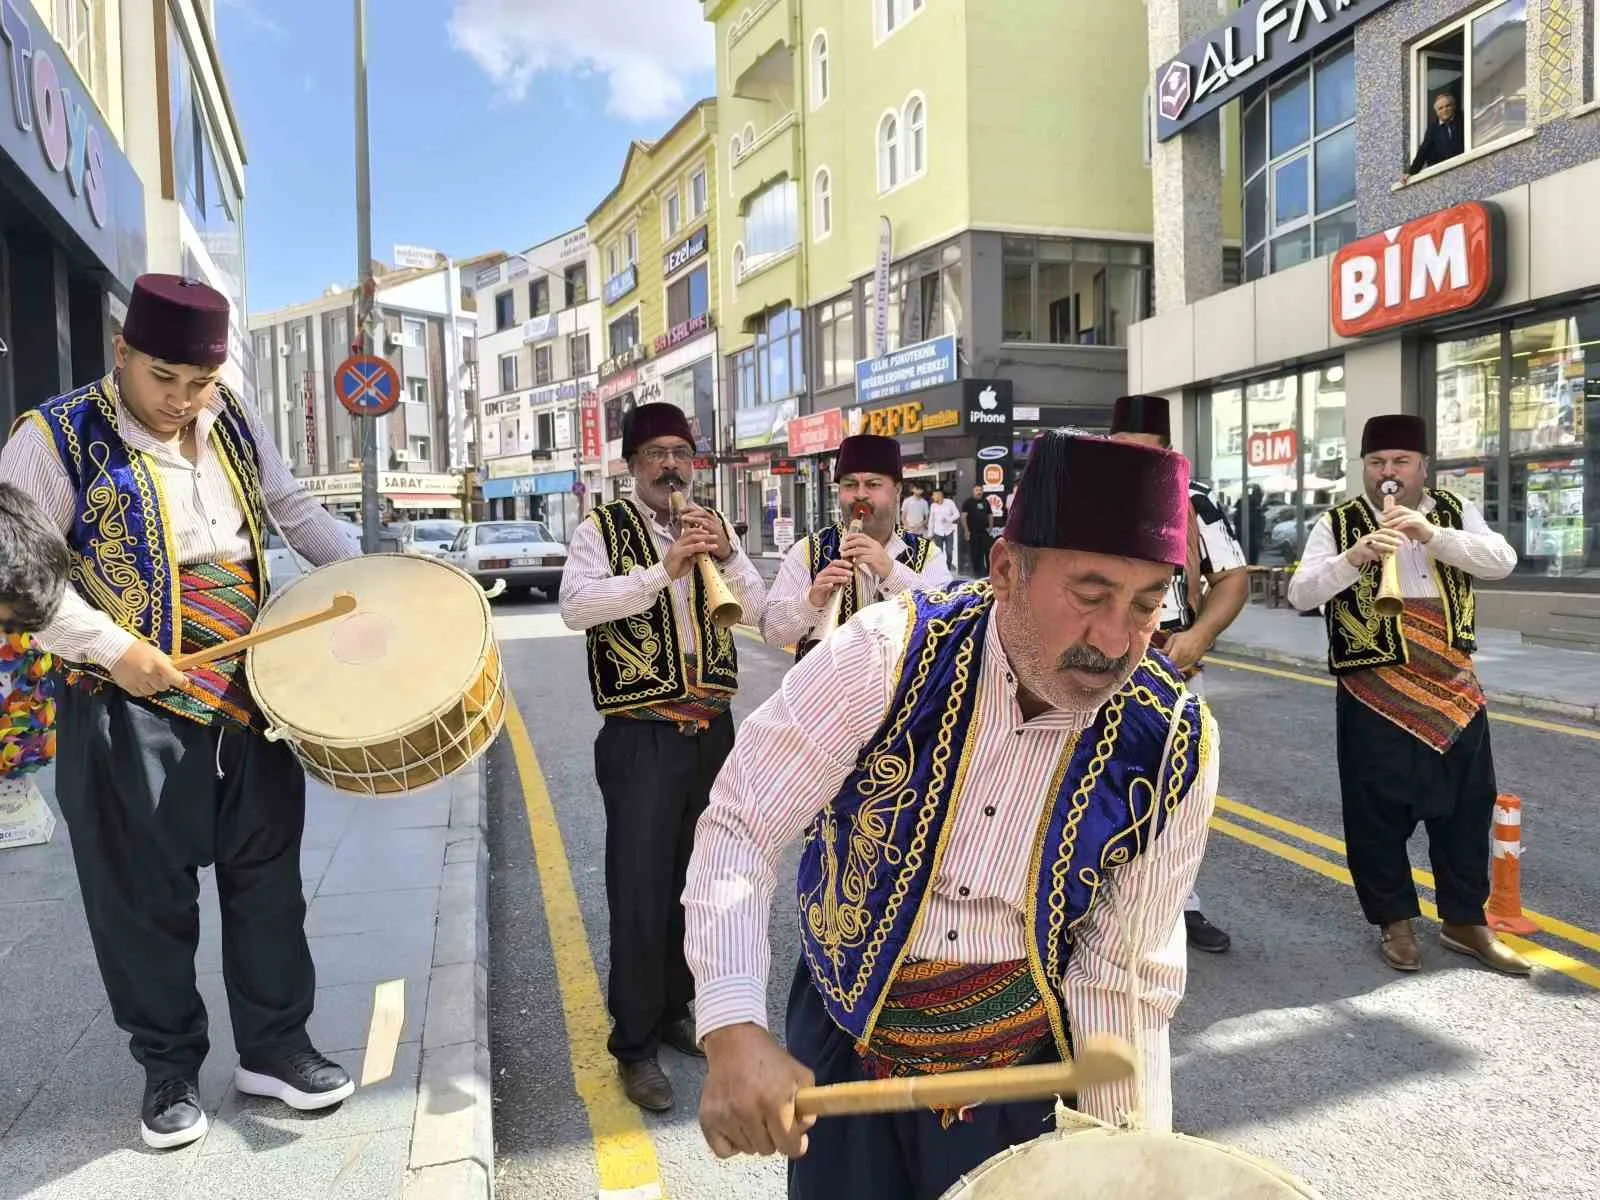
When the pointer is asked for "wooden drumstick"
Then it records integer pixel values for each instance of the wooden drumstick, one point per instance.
(343, 602)
(1101, 1060)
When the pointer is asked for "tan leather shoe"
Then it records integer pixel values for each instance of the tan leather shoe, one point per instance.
(646, 1085)
(1399, 946)
(1477, 941)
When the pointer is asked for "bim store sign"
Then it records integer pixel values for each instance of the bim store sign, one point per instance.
(56, 139)
(1444, 264)
(1263, 38)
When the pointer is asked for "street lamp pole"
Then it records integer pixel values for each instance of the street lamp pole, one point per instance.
(367, 426)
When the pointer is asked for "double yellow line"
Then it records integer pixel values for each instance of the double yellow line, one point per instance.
(1253, 834)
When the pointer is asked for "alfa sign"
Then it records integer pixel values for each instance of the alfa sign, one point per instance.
(1445, 263)
(1262, 38)
(1276, 448)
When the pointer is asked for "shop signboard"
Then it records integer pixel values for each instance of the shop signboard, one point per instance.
(685, 253)
(764, 424)
(539, 329)
(1272, 448)
(683, 332)
(620, 284)
(910, 369)
(591, 439)
(1261, 39)
(986, 408)
(1443, 264)
(908, 418)
(818, 433)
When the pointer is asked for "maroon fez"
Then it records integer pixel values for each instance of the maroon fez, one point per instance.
(648, 421)
(1092, 494)
(1394, 431)
(1141, 414)
(178, 320)
(870, 453)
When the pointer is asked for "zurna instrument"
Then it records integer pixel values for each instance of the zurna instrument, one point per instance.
(726, 612)
(1391, 600)
(859, 512)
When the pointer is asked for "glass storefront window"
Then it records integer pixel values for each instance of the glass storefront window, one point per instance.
(1512, 421)
(1277, 458)
(1071, 292)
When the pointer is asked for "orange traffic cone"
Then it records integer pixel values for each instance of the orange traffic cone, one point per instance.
(1504, 910)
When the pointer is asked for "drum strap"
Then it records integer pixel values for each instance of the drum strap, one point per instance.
(944, 1016)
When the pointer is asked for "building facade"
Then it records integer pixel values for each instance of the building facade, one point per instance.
(1461, 283)
(427, 329)
(909, 150)
(72, 205)
(539, 335)
(655, 238)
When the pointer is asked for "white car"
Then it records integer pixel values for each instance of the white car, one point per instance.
(432, 538)
(523, 553)
(281, 561)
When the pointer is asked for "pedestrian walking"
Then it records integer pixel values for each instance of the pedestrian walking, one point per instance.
(881, 560)
(1412, 719)
(943, 520)
(663, 675)
(1205, 596)
(996, 782)
(914, 511)
(975, 520)
(164, 483)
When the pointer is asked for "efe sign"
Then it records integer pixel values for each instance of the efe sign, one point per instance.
(1447, 262)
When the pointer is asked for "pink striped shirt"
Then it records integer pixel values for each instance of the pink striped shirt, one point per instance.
(789, 615)
(206, 522)
(795, 752)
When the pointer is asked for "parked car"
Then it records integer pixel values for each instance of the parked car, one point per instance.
(432, 538)
(523, 553)
(281, 566)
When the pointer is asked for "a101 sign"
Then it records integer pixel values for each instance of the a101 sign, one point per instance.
(1446, 263)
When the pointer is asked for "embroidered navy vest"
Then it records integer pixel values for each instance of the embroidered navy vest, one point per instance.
(870, 854)
(125, 556)
(822, 548)
(1358, 638)
(639, 660)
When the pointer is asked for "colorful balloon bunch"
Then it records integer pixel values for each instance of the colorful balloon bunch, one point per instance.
(29, 677)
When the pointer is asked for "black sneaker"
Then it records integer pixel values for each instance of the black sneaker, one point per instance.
(171, 1115)
(1203, 935)
(304, 1080)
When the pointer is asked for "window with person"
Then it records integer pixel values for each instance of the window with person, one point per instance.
(1469, 83)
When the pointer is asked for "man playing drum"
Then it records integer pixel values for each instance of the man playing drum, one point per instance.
(887, 560)
(1001, 791)
(1204, 599)
(1412, 720)
(163, 482)
(663, 676)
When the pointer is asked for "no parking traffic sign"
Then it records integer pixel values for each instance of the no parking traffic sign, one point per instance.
(367, 385)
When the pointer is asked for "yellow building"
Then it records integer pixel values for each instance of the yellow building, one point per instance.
(986, 160)
(656, 236)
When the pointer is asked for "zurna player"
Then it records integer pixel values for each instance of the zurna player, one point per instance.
(927, 748)
(663, 676)
(164, 484)
(878, 561)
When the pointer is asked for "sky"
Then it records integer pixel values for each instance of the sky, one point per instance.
(494, 124)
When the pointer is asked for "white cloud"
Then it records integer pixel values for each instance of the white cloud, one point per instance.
(647, 50)
(251, 15)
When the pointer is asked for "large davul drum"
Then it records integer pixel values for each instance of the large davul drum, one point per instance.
(401, 693)
(1114, 1164)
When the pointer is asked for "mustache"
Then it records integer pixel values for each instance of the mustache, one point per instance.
(1087, 658)
(671, 479)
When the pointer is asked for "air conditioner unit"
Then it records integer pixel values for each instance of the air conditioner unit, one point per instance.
(283, 349)
(402, 455)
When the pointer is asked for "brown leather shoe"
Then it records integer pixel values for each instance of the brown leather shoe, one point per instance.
(647, 1085)
(1479, 942)
(679, 1035)
(1399, 946)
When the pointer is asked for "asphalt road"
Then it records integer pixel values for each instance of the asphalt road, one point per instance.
(1298, 1045)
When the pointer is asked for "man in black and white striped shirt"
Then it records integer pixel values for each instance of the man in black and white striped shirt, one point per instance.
(1203, 600)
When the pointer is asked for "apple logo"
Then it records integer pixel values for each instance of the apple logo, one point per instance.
(987, 399)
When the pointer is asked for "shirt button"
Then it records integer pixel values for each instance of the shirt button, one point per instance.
(963, 891)
(951, 935)
(988, 810)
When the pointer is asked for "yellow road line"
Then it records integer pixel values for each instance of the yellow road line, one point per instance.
(1234, 664)
(625, 1157)
(1539, 955)
(1554, 926)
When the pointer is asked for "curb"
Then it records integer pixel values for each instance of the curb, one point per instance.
(1522, 701)
(452, 1134)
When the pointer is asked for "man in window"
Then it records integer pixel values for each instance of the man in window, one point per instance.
(1443, 140)
(1205, 596)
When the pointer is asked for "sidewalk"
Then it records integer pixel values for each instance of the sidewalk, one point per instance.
(397, 889)
(1515, 674)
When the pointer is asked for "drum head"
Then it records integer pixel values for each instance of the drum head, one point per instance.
(1104, 1164)
(414, 646)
